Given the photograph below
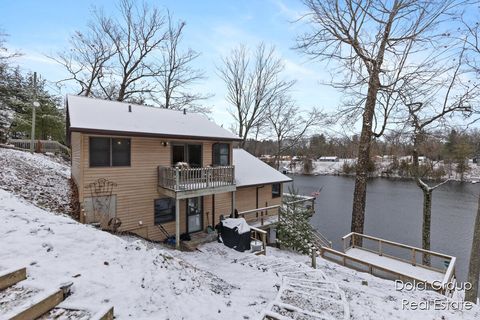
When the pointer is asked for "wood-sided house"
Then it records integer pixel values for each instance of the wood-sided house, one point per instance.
(154, 171)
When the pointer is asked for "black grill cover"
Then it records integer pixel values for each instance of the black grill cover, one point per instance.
(233, 239)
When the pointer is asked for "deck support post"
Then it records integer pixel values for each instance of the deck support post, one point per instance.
(177, 224)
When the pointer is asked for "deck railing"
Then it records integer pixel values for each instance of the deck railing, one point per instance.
(261, 236)
(447, 268)
(295, 200)
(261, 214)
(185, 179)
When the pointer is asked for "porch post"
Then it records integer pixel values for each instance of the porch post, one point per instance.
(177, 224)
(233, 204)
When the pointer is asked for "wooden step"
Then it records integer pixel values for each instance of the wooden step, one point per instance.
(38, 305)
(104, 314)
(12, 276)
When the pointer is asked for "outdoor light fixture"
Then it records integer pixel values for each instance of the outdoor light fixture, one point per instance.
(165, 143)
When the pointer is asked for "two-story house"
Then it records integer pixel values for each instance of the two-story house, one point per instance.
(158, 172)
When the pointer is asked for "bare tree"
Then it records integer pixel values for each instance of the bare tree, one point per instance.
(133, 57)
(136, 37)
(474, 265)
(430, 101)
(371, 43)
(86, 60)
(252, 88)
(176, 73)
(473, 46)
(289, 124)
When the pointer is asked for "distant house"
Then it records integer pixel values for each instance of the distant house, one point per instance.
(158, 172)
(409, 159)
(328, 159)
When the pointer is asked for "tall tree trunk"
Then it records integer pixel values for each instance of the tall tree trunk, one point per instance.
(427, 201)
(474, 266)
(426, 225)
(360, 192)
(121, 92)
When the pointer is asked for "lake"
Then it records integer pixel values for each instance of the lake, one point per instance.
(394, 212)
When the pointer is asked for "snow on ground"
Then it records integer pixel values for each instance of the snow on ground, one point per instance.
(336, 168)
(40, 179)
(146, 281)
(140, 281)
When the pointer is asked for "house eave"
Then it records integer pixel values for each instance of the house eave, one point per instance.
(150, 134)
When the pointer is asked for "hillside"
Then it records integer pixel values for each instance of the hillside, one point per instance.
(40, 179)
(148, 281)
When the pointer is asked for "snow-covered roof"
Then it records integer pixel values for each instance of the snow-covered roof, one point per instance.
(105, 116)
(250, 171)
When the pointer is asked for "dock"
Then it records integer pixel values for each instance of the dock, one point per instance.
(394, 261)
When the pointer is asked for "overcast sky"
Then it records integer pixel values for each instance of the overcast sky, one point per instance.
(40, 28)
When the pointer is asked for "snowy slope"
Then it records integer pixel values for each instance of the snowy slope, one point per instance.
(141, 281)
(40, 179)
(145, 281)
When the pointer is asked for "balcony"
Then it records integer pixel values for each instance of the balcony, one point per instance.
(184, 183)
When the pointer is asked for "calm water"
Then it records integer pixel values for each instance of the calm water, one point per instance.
(394, 212)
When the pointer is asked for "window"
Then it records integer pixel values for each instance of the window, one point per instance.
(109, 152)
(99, 152)
(221, 154)
(164, 210)
(276, 190)
(120, 152)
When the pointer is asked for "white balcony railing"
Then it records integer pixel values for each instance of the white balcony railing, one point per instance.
(188, 179)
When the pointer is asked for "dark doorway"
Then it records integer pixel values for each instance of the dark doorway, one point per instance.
(189, 153)
(178, 153)
(194, 152)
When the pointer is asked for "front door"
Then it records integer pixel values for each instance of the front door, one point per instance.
(194, 214)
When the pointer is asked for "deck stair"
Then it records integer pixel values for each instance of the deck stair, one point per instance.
(22, 300)
(304, 293)
(319, 240)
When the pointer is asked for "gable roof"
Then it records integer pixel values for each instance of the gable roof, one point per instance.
(113, 117)
(250, 171)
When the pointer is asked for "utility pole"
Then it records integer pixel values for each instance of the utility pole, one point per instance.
(34, 107)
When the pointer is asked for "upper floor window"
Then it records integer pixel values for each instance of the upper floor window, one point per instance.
(109, 152)
(276, 190)
(221, 154)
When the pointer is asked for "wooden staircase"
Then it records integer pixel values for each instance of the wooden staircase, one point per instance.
(21, 301)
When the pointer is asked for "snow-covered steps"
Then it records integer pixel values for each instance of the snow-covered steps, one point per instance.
(21, 300)
(304, 293)
(10, 277)
(62, 313)
(15, 296)
(35, 305)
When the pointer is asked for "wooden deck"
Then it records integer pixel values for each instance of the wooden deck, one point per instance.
(399, 267)
(182, 183)
(394, 261)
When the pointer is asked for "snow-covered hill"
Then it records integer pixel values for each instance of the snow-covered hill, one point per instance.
(143, 280)
(146, 281)
(40, 179)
